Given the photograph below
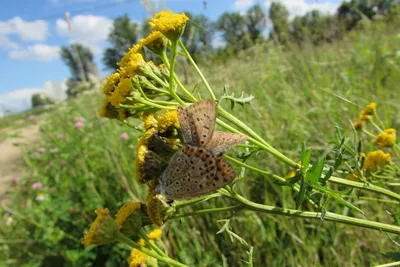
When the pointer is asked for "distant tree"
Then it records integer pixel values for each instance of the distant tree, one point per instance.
(234, 31)
(123, 35)
(79, 60)
(198, 33)
(40, 99)
(279, 16)
(256, 21)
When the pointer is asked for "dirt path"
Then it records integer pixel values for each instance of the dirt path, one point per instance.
(11, 155)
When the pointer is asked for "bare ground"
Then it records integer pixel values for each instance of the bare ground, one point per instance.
(11, 152)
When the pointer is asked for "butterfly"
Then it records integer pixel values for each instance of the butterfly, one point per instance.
(198, 167)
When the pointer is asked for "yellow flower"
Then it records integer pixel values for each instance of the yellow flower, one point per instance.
(126, 58)
(291, 174)
(387, 138)
(109, 85)
(155, 42)
(353, 176)
(369, 110)
(141, 152)
(125, 211)
(166, 120)
(376, 159)
(133, 65)
(358, 125)
(137, 258)
(155, 234)
(170, 24)
(124, 88)
(158, 209)
(103, 229)
(149, 121)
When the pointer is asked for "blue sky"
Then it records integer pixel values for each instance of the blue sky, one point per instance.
(31, 32)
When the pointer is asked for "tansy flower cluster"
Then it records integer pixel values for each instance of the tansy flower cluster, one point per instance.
(372, 162)
(387, 138)
(127, 90)
(365, 115)
(138, 258)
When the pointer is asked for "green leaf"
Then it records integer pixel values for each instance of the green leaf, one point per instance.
(305, 157)
(338, 161)
(242, 100)
(393, 255)
(337, 198)
(302, 193)
(314, 174)
(327, 176)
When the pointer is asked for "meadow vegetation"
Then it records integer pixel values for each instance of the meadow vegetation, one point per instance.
(301, 95)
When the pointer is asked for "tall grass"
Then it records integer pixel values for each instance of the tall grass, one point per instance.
(301, 94)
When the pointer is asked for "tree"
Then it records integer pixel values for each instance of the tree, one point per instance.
(79, 59)
(40, 99)
(256, 21)
(198, 33)
(279, 16)
(233, 27)
(123, 36)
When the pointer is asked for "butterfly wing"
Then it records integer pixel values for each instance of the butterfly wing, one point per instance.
(193, 172)
(188, 127)
(223, 141)
(203, 114)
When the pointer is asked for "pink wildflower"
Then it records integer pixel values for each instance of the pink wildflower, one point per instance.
(80, 119)
(15, 179)
(37, 185)
(37, 154)
(79, 125)
(55, 150)
(124, 137)
(42, 150)
(60, 136)
(31, 118)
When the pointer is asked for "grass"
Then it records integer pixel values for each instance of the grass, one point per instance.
(301, 94)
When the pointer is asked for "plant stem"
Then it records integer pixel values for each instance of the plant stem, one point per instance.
(368, 187)
(194, 201)
(123, 239)
(151, 243)
(207, 211)
(164, 58)
(274, 176)
(189, 57)
(329, 216)
(172, 71)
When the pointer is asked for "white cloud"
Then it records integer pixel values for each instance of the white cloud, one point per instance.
(36, 30)
(88, 30)
(20, 99)
(38, 52)
(301, 7)
(243, 4)
(6, 43)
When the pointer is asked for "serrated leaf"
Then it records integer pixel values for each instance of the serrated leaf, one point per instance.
(242, 100)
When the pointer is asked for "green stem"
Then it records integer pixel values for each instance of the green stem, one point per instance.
(123, 239)
(189, 57)
(207, 211)
(274, 176)
(164, 58)
(391, 264)
(328, 216)
(194, 201)
(373, 199)
(151, 243)
(375, 125)
(172, 89)
(368, 187)
(254, 138)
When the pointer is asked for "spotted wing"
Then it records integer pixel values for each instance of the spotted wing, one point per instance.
(204, 114)
(223, 141)
(189, 174)
(187, 127)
